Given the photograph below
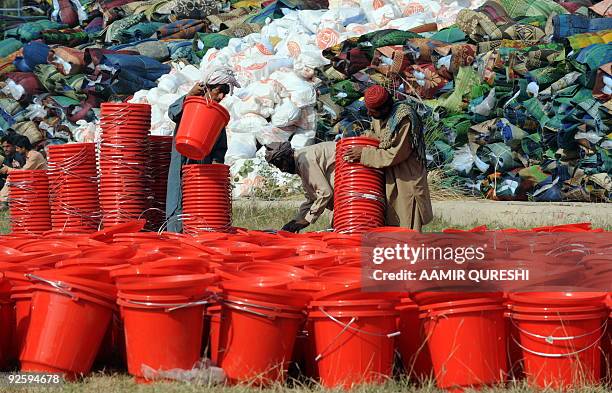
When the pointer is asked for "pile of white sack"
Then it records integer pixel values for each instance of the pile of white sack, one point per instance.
(275, 68)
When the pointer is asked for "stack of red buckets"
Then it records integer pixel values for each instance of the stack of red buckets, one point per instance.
(359, 199)
(123, 158)
(29, 201)
(207, 203)
(160, 150)
(73, 189)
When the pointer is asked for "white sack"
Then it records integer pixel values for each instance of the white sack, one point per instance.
(240, 146)
(246, 124)
(285, 114)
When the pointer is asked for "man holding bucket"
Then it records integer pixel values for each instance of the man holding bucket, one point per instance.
(216, 84)
(401, 155)
(315, 165)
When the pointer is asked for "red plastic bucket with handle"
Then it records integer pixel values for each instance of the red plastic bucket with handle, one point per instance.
(467, 345)
(200, 126)
(65, 331)
(354, 341)
(561, 351)
(178, 324)
(259, 342)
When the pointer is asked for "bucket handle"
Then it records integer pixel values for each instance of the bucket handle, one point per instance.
(568, 247)
(559, 355)
(60, 286)
(552, 339)
(346, 327)
(174, 306)
(245, 309)
(246, 304)
(388, 335)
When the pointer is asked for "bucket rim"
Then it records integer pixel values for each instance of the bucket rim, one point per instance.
(152, 298)
(380, 303)
(269, 314)
(277, 269)
(350, 314)
(461, 303)
(168, 282)
(462, 310)
(77, 296)
(522, 309)
(563, 296)
(209, 103)
(92, 287)
(166, 306)
(552, 318)
(255, 303)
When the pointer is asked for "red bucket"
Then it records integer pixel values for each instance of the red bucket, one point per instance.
(259, 342)
(145, 322)
(200, 126)
(65, 331)
(467, 345)
(561, 351)
(354, 341)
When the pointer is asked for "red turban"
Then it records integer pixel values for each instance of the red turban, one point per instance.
(375, 96)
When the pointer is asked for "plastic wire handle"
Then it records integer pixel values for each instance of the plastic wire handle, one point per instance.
(552, 339)
(245, 309)
(246, 304)
(173, 306)
(559, 355)
(59, 285)
(388, 335)
(344, 329)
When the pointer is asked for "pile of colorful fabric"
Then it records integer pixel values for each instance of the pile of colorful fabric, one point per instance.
(516, 94)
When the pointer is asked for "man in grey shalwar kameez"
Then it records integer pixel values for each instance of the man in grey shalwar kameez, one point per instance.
(217, 84)
(316, 166)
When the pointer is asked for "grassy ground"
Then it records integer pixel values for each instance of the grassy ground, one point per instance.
(4, 223)
(124, 384)
(274, 216)
(252, 216)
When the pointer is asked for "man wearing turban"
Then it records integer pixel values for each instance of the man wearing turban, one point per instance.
(217, 82)
(315, 165)
(401, 155)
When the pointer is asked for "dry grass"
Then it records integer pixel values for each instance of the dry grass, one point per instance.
(267, 215)
(443, 188)
(4, 222)
(256, 214)
(116, 383)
